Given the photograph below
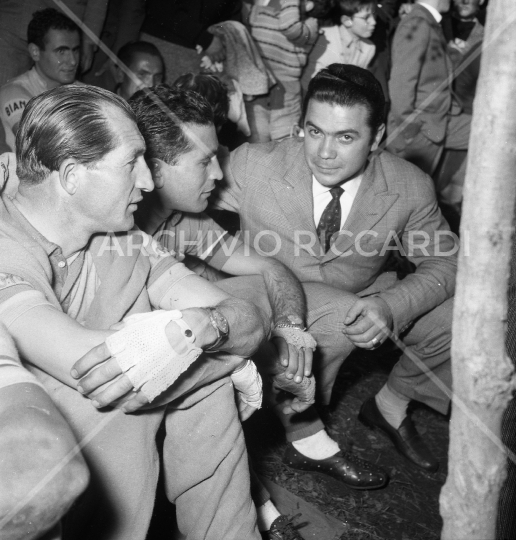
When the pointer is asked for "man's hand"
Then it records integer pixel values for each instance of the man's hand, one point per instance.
(297, 361)
(150, 370)
(216, 51)
(365, 322)
(102, 380)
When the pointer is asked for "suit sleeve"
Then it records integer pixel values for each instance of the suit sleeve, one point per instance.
(234, 168)
(431, 246)
(409, 48)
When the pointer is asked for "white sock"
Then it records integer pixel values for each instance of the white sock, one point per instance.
(267, 513)
(317, 446)
(392, 406)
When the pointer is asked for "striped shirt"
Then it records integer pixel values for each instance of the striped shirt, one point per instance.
(282, 38)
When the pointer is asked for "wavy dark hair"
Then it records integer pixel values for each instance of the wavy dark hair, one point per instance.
(48, 19)
(347, 85)
(160, 114)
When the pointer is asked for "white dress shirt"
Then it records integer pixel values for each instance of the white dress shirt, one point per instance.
(322, 197)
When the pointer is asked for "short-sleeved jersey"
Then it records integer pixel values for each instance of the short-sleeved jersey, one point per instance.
(14, 96)
(98, 286)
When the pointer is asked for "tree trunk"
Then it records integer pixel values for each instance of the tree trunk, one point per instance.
(482, 372)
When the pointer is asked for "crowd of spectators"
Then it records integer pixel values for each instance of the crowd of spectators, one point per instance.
(362, 113)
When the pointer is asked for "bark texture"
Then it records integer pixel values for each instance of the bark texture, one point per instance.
(482, 372)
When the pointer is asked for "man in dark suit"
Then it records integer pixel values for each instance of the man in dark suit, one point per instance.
(331, 212)
(424, 119)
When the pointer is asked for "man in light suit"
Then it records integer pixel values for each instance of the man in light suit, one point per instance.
(424, 118)
(339, 252)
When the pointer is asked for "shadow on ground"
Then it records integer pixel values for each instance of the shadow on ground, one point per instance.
(407, 509)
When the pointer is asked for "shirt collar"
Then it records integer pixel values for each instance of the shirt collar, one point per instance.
(26, 226)
(350, 187)
(437, 16)
(347, 38)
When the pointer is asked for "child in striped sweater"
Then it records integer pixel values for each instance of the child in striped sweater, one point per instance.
(284, 40)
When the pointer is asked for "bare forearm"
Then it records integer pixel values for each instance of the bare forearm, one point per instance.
(285, 293)
(53, 342)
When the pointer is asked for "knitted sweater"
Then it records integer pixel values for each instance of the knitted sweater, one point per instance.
(282, 38)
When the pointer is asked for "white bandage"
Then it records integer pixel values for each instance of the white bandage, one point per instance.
(248, 384)
(143, 351)
(294, 336)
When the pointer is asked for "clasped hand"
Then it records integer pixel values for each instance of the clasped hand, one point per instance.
(367, 321)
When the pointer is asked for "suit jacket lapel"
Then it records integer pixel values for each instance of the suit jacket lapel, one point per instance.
(371, 203)
(293, 192)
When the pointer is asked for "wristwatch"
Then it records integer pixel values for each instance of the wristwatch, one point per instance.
(221, 326)
(292, 322)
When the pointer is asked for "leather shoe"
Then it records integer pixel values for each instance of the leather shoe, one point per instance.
(282, 529)
(349, 469)
(406, 439)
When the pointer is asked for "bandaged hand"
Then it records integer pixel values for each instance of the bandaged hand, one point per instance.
(145, 354)
(248, 385)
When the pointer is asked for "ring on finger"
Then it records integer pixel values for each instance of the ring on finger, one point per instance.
(376, 343)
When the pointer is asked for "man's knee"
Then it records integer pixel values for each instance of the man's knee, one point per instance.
(327, 310)
(39, 474)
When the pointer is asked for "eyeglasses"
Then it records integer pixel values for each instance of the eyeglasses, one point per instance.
(369, 18)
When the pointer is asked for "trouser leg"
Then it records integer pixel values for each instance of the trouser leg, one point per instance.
(457, 138)
(424, 368)
(206, 468)
(327, 308)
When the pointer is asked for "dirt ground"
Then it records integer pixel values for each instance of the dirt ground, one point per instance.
(408, 508)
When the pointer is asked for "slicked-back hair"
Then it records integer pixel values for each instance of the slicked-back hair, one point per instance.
(347, 86)
(48, 19)
(352, 7)
(212, 88)
(160, 112)
(128, 51)
(69, 121)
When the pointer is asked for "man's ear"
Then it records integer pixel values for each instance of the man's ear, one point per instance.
(69, 175)
(34, 52)
(156, 169)
(346, 21)
(378, 138)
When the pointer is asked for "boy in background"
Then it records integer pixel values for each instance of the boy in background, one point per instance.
(347, 42)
